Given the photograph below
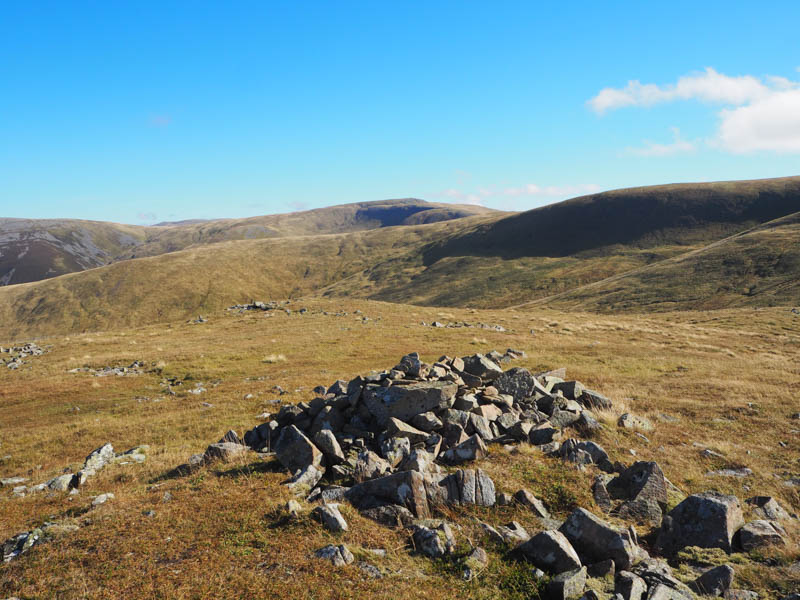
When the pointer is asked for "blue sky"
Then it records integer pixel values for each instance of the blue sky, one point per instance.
(146, 111)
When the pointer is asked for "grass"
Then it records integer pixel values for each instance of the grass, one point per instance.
(221, 534)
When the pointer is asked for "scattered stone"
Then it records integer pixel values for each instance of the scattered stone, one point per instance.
(434, 541)
(224, 451)
(629, 585)
(525, 498)
(338, 555)
(766, 507)
(643, 488)
(631, 421)
(295, 451)
(102, 499)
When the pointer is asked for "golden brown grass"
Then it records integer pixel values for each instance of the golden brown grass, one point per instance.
(729, 377)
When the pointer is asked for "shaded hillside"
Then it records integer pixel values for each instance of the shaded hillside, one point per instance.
(643, 217)
(760, 267)
(31, 250)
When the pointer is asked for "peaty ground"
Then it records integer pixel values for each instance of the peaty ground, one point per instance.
(723, 380)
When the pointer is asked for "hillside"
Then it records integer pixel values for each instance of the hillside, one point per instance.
(31, 250)
(485, 261)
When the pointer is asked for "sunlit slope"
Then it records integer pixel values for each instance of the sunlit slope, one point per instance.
(204, 279)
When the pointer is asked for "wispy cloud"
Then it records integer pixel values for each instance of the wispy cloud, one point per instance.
(677, 146)
(147, 217)
(505, 197)
(758, 114)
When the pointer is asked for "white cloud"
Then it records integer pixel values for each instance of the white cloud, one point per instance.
(759, 114)
(706, 86)
(678, 146)
(770, 124)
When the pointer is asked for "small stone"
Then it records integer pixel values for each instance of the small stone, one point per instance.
(551, 551)
(714, 582)
(568, 585)
(434, 542)
(102, 499)
(338, 555)
(532, 503)
(631, 421)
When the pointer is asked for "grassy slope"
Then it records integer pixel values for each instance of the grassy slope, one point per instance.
(221, 534)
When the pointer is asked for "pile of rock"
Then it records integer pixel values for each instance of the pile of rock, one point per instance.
(18, 354)
(257, 305)
(137, 367)
(463, 324)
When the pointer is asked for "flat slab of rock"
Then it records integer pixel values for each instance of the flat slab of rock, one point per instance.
(471, 449)
(707, 520)
(406, 401)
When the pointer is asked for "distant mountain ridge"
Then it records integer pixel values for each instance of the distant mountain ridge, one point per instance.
(31, 250)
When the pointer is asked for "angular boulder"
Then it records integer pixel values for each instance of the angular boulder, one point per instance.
(405, 488)
(295, 451)
(760, 533)
(707, 520)
(597, 540)
(551, 552)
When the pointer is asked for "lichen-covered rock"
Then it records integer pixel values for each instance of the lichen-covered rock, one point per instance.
(435, 541)
(714, 582)
(470, 449)
(406, 401)
(643, 488)
(338, 555)
(330, 517)
(760, 533)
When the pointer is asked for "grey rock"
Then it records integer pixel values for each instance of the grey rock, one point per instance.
(295, 451)
(471, 449)
(629, 585)
(397, 428)
(760, 533)
(597, 540)
(604, 568)
(395, 450)
(389, 515)
(663, 592)
(594, 400)
(568, 585)
(405, 488)
(406, 401)
(631, 421)
(370, 570)
(99, 458)
(62, 483)
(327, 443)
(532, 503)
(370, 466)
(482, 366)
(706, 520)
(513, 533)
(330, 517)
(427, 421)
(766, 507)
(714, 582)
(643, 488)
(102, 499)
(223, 451)
(339, 556)
(733, 594)
(572, 390)
(517, 382)
(550, 551)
